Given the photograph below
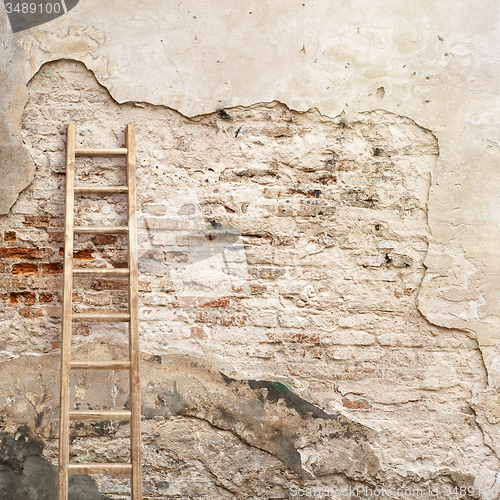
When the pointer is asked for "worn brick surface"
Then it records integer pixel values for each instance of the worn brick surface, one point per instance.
(52, 268)
(287, 246)
(26, 253)
(24, 268)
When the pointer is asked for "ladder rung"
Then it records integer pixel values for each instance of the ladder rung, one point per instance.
(101, 230)
(100, 365)
(100, 151)
(100, 415)
(109, 317)
(100, 468)
(101, 190)
(83, 272)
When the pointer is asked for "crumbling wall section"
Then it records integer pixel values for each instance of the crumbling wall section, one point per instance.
(281, 255)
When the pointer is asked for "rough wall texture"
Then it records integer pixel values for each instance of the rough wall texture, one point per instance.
(281, 255)
(16, 165)
(436, 62)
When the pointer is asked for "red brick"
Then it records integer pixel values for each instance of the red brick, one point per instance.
(55, 344)
(53, 268)
(105, 239)
(219, 302)
(45, 297)
(116, 256)
(24, 269)
(56, 236)
(108, 284)
(34, 312)
(188, 301)
(257, 289)
(144, 286)
(80, 254)
(10, 236)
(83, 330)
(150, 254)
(197, 333)
(25, 253)
(167, 287)
(34, 221)
(30, 312)
(234, 320)
(53, 311)
(27, 297)
(361, 404)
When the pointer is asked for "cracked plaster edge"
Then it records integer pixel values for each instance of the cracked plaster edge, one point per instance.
(13, 101)
(344, 118)
(347, 118)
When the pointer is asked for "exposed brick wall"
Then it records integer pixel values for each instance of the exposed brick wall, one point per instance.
(25, 271)
(290, 245)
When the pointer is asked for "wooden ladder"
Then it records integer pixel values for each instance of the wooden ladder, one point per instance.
(68, 317)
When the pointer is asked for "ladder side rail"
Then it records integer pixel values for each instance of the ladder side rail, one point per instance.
(62, 487)
(135, 405)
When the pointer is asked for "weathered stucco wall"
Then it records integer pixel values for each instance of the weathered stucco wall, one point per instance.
(332, 151)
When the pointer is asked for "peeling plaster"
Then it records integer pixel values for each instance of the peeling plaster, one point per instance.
(437, 64)
(16, 165)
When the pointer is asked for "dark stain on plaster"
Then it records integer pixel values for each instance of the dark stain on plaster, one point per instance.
(39, 418)
(360, 198)
(26, 475)
(263, 414)
(15, 449)
(155, 359)
(275, 391)
(224, 114)
(105, 428)
(172, 401)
